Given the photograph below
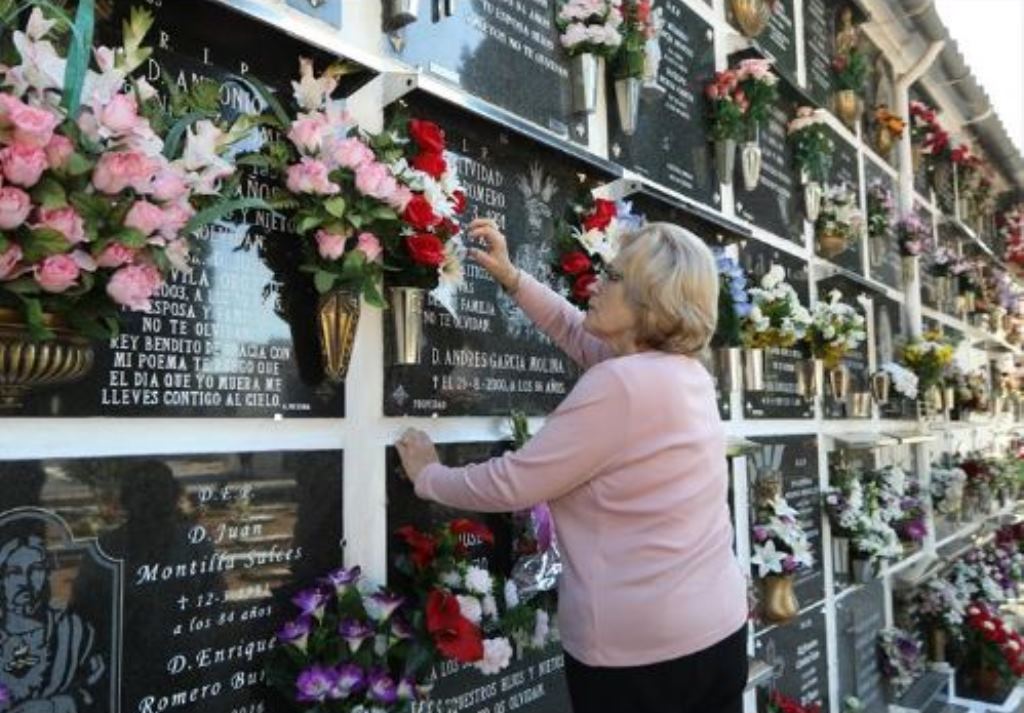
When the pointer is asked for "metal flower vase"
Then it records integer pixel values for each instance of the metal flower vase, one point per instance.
(813, 195)
(26, 364)
(841, 555)
(937, 641)
(839, 382)
(881, 383)
(402, 13)
(729, 369)
(627, 99)
(863, 570)
(832, 244)
(751, 160)
(753, 369)
(751, 16)
(848, 106)
(337, 322)
(725, 159)
(584, 72)
(780, 603)
(809, 378)
(407, 318)
(883, 141)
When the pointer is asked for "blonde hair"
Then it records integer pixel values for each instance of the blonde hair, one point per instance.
(670, 277)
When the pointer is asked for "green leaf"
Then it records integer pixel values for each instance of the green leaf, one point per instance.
(205, 96)
(356, 220)
(79, 53)
(4, 243)
(172, 143)
(371, 291)
(42, 243)
(23, 286)
(307, 223)
(324, 280)
(222, 209)
(335, 206)
(266, 94)
(90, 206)
(77, 165)
(130, 237)
(37, 329)
(49, 193)
(383, 212)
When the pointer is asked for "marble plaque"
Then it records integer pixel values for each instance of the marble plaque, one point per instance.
(156, 584)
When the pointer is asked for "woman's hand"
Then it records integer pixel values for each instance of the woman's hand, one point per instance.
(495, 258)
(416, 451)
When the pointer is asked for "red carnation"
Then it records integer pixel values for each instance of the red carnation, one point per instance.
(432, 164)
(460, 202)
(601, 216)
(427, 135)
(420, 214)
(584, 286)
(423, 546)
(455, 636)
(576, 262)
(425, 249)
(462, 526)
(449, 227)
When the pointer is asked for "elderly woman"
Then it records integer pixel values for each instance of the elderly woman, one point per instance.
(652, 602)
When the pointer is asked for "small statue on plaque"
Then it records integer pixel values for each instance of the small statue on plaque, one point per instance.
(652, 58)
(847, 34)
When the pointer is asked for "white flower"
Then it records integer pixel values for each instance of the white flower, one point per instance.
(451, 579)
(479, 581)
(775, 276)
(497, 655)
(541, 629)
(768, 559)
(38, 26)
(511, 594)
(489, 607)
(450, 276)
(470, 608)
(310, 92)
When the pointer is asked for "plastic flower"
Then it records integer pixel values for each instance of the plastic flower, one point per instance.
(341, 579)
(314, 684)
(497, 654)
(311, 602)
(382, 605)
(354, 632)
(296, 632)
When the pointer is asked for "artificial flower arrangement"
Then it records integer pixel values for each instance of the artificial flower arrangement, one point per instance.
(590, 26)
(928, 357)
(733, 302)
(992, 658)
(351, 647)
(851, 70)
(780, 545)
(740, 99)
(776, 317)
(980, 479)
(103, 180)
(860, 511)
(1011, 230)
(927, 133)
(939, 604)
(588, 240)
(781, 703)
(941, 261)
(902, 659)
(839, 220)
(835, 330)
(947, 488)
(890, 127)
(812, 143)
(911, 525)
(913, 234)
(641, 22)
(904, 381)
(881, 205)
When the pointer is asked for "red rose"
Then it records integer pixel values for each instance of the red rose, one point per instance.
(449, 227)
(460, 202)
(425, 249)
(575, 263)
(601, 216)
(427, 135)
(584, 286)
(420, 214)
(455, 636)
(423, 547)
(462, 526)
(432, 164)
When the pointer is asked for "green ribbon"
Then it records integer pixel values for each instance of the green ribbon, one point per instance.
(78, 56)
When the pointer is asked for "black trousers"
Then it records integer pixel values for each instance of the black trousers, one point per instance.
(708, 681)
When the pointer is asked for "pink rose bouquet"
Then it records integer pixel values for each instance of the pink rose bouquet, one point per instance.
(101, 185)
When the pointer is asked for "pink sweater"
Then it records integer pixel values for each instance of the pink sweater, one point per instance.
(633, 466)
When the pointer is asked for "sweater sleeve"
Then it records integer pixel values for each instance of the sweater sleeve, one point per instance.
(562, 322)
(578, 439)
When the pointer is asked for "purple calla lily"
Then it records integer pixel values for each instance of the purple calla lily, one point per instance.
(311, 602)
(314, 684)
(400, 628)
(382, 687)
(381, 605)
(295, 632)
(354, 632)
(349, 679)
(341, 579)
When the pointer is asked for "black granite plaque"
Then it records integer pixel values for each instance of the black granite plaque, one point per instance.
(796, 458)
(776, 204)
(492, 360)
(820, 48)
(859, 617)
(507, 53)
(797, 653)
(158, 584)
(671, 146)
(857, 403)
(845, 171)
(781, 398)
(236, 337)
(534, 683)
(884, 261)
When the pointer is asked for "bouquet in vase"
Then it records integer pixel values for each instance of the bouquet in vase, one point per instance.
(776, 317)
(993, 653)
(641, 24)
(733, 302)
(590, 26)
(758, 83)
(813, 144)
(904, 381)
(780, 545)
(939, 604)
(839, 222)
(836, 329)
(902, 658)
(913, 234)
(947, 489)
(928, 357)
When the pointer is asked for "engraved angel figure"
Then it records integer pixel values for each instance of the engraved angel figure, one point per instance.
(533, 252)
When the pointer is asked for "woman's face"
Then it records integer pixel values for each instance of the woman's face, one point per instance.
(610, 315)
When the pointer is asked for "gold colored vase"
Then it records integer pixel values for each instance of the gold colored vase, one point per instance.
(337, 320)
(847, 106)
(883, 141)
(751, 16)
(780, 603)
(26, 364)
(937, 640)
(832, 244)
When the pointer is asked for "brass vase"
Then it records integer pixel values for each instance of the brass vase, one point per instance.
(937, 640)
(883, 141)
(26, 364)
(780, 603)
(848, 106)
(808, 378)
(881, 383)
(337, 321)
(839, 382)
(832, 244)
(753, 369)
(751, 16)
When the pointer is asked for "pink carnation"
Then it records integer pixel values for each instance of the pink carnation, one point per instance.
(33, 126)
(369, 245)
(310, 176)
(134, 285)
(57, 273)
(120, 115)
(400, 199)
(24, 164)
(307, 132)
(176, 216)
(331, 246)
(118, 170)
(59, 150)
(65, 221)
(145, 217)
(115, 255)
(168, 186)
(15, 206)
(375, 180)
(353, 154)
(9, 260)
